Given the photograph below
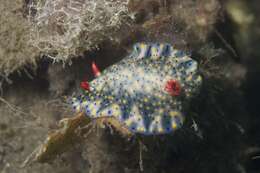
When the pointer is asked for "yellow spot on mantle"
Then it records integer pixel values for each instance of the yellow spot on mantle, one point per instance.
(141, 129)
(174, 113)
(174, 125)
(160, 129)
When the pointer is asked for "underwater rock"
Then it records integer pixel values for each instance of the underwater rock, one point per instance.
(15, 49)
(65, 28)
(190, 22)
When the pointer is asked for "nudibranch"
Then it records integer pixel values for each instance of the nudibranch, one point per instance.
(148, 92)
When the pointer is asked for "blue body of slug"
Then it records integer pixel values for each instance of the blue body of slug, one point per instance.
(133, 90)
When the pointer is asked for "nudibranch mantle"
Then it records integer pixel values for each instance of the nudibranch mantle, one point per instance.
(148, 91)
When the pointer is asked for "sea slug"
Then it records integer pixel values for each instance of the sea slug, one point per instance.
(148, 92)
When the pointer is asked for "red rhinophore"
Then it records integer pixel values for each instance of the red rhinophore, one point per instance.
(95, 69)
(85, 85)
(173, 87)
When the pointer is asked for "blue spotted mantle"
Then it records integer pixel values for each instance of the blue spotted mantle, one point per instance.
(134, 91)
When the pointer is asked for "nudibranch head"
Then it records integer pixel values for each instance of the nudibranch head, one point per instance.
(148, 91)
